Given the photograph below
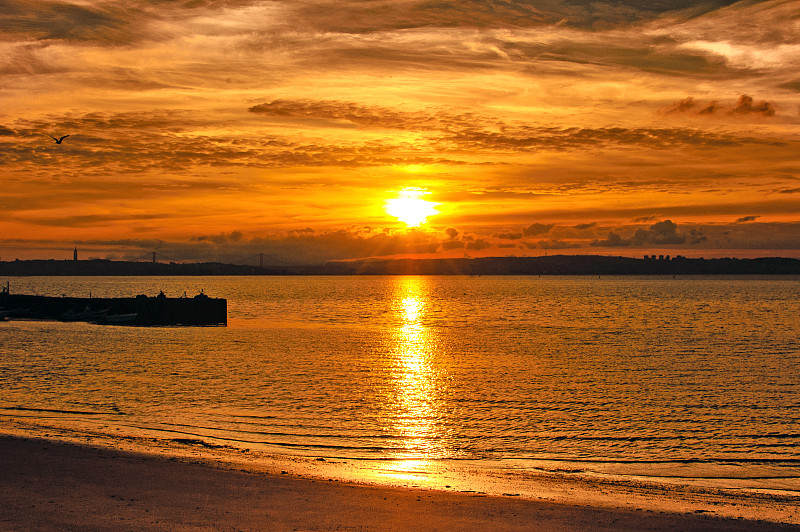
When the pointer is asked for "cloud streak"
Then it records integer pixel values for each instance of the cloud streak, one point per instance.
(744, 106)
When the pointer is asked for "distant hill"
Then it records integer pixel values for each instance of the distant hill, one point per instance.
(550, 265)
(568, 265)
(101, 267)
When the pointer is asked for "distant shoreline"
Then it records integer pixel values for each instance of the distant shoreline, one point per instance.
(547, 265)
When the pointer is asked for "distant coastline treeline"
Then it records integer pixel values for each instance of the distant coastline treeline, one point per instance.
(570, 265)
(549, 265)
(102, 267)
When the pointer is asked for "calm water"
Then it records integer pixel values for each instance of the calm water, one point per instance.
(644, 376)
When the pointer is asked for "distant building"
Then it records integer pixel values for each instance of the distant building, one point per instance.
(75, 253)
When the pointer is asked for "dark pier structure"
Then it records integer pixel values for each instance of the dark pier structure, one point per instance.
(140, 310)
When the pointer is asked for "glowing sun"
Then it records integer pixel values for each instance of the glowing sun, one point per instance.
(410, 208)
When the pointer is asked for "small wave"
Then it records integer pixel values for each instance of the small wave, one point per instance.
(62, 411)
(668, 461)
(675, 437)
(196, 441)
(614, 438)
(242, 416)
(299, 445)
(772, 435)
(290, 434)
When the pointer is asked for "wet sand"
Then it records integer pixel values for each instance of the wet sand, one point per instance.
(47, 485)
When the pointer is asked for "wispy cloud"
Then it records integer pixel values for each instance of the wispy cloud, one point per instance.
(354, 16)
(744, 106)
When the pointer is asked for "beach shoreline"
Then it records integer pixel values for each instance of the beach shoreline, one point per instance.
(51, 484)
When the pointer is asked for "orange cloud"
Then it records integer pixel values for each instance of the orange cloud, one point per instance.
(744, 106)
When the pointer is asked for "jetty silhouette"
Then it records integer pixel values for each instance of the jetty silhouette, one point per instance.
(140, 310)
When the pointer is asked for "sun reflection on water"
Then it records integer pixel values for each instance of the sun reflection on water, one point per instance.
(417, 395)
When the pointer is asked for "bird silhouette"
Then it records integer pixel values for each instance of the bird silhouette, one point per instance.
(58, 141)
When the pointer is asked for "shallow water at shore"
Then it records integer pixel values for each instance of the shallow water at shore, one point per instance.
(666, 380)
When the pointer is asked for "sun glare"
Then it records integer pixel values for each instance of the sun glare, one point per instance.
(410, 208)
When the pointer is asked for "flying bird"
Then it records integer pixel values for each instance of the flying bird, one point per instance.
(58, 141)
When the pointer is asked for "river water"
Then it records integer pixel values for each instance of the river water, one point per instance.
(677, 379)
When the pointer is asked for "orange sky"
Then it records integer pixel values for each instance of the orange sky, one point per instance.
(220, 129)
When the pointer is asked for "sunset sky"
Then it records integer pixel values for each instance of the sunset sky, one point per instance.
(220, 129)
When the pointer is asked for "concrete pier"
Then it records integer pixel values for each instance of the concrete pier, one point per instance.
(139, 310)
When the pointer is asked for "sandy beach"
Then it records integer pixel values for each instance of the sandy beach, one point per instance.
(50, 485)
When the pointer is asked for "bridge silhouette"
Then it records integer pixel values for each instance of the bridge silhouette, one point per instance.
(261, 260)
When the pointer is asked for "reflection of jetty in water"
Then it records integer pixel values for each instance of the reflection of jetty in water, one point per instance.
(139, 310)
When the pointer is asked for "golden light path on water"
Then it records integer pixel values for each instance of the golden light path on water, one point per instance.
(417, 384)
